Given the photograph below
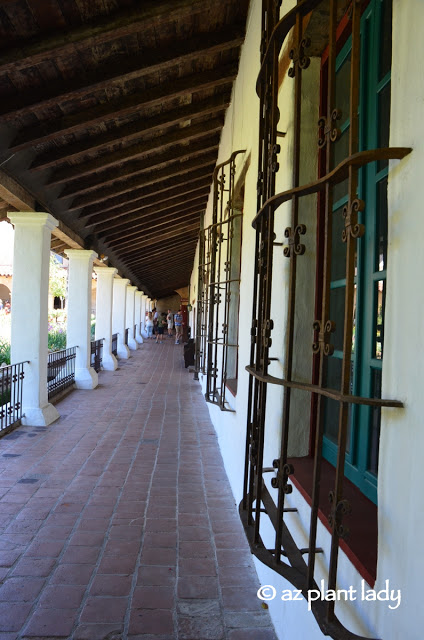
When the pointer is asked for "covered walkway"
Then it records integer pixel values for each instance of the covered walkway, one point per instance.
(117, 521)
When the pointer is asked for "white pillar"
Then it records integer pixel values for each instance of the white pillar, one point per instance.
(144, 299)
(31, 261)
(130, 318)
(78, 333)
(137, 319)
(118, 314)
(104, 301)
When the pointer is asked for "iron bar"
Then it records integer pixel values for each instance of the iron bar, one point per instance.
(11, 388)
(114, 344)
(96, 354)
(60, 371)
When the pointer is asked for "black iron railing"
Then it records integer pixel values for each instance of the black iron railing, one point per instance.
(96, 354)
(60, 371)
(11, 385)
(126, 337)
(115, 344)
(135, 331)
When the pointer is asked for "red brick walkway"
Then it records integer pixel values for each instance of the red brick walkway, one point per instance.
(118, 521)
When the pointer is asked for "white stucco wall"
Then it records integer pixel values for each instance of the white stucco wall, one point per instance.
(401, 474)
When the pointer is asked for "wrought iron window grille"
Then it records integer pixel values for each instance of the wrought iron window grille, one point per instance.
(218, 287)
(298, 565)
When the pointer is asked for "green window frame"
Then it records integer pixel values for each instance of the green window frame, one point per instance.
(361, 465)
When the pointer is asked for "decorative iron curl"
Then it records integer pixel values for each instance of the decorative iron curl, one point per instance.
(327, 131)
(294, 246)
(338, 511)
(323, 344)
(299, 57)
(350, 214)
(280, 480)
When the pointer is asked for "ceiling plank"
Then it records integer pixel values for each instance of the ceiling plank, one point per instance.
(148, 241)
(133, 131)
(125, 105)
(165, 255)
(134, 232)
(122, 70)
(150, 166)
(170, 207)
(14, 194)
(136, 151)
(97, 32)
(165, 245)
(155, 198)
(197, 166)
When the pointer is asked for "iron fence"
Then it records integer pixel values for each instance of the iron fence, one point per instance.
(96, 354)
(11, 386)
(60, 371)
(126, 337)
(115, 344)
(135, 331)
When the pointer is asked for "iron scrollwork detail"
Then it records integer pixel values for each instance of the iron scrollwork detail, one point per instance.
(327, 129)
(283, 473)
(294, 246)
(338, 511)
(299, 57)
(350, 214)
(323, 343)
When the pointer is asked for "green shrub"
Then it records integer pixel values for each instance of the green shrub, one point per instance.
(56, 339)
(4, 351)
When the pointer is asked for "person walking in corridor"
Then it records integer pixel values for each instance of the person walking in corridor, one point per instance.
(178, 321)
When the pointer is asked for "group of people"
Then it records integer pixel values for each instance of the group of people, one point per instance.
(5, 306)
(157, 321)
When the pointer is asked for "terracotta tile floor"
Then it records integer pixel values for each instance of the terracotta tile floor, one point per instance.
(118, 520)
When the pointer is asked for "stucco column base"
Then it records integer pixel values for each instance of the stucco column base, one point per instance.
(132, 344)
(40, 416)
(109, 362)
(123, 351)
(86, 378)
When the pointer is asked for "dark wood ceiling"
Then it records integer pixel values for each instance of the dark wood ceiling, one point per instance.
(110, 116)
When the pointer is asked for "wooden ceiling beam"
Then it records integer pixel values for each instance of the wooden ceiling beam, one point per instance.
(143, 203)
(129, 132)
(134, 232)
(164, 245)
(206, 162)
(148, 241)
(98, 31)
(118, 71)
(136, 168)
(178, 205)
(175, 246)
(136, 151)
(125, 105)
(166, 254)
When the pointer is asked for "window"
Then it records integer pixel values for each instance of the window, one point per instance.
(370, 252)
(341, 399)
(219, 283)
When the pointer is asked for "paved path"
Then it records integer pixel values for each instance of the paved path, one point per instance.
(118, 521)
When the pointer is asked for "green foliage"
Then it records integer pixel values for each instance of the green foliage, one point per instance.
(4, 351)
(56, 339)
(57, 278)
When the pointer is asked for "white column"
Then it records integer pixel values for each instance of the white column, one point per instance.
(144, 299)
(104, 301)
(78, 333)
(130, 318)
(118, 314)
(31, 261)
(137, 319)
